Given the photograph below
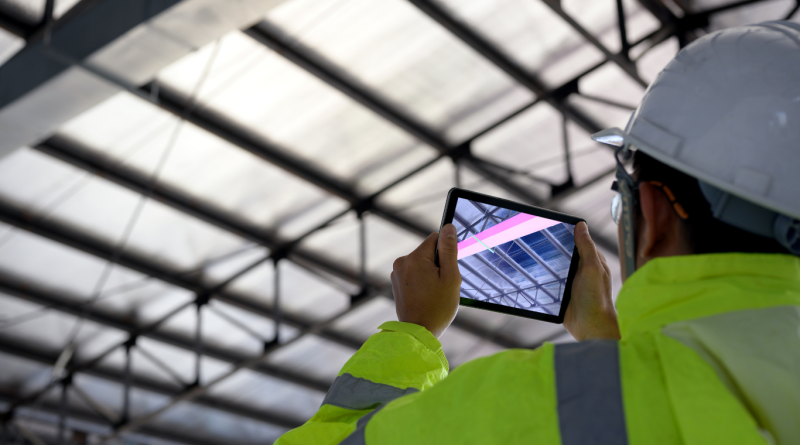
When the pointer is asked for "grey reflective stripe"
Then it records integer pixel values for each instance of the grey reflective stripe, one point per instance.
(358, 437)
(352, 392)
(590, 409)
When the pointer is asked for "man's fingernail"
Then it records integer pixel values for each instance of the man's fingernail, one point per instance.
(583, 227)
(449, 231)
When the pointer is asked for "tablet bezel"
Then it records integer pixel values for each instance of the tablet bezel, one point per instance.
(449, 211)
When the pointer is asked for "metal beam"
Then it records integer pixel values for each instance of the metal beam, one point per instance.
(694, 20)
(59, 302)
(108, 20)
(65, 70)
(147, 384)
(660, 12)
(14, 26)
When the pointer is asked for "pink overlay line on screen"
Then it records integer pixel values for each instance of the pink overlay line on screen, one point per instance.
(510, 229)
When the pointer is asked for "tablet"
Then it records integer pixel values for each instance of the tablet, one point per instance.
(514, 258)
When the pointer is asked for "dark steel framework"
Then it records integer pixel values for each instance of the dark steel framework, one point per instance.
(119, 422)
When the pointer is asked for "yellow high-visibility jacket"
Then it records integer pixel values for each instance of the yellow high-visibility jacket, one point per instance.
(710, 354)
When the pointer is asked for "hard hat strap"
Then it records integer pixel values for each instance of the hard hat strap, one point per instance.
(627, 189)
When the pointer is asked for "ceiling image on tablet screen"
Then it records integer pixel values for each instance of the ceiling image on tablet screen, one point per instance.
(512, 258)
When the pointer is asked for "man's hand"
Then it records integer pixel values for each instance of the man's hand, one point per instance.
(591, 312)
(425, 294)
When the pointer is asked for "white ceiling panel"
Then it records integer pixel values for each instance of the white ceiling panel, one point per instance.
(655, 59)
(608, 82)
(407, 196)
(529, 143)
(9, 45)
(56, 266)
(180, 361)
(600, 19)
(594, 204)
(339, 241)
(262, 392)
(281, 102)
(532, 34)
(202, 422)
(364, 321)
(18, 372)
(51, 330)
(110, 212)
(394, 48)
(316, 357)
(138, 134)
(460, 346)
(303, 294)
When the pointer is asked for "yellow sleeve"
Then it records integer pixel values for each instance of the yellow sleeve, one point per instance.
(403, 358)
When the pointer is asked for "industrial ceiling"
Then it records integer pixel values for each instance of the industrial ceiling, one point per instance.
(201, 200)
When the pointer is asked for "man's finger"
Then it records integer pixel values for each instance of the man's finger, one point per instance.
(448, 251)
(586, 248)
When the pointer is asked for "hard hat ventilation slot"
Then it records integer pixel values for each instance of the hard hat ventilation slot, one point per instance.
(787, 232)
(753, 218)
(738, 212)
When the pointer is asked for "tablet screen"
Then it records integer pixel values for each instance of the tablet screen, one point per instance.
(511, 258)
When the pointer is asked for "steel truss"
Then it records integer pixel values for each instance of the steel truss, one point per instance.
(684, 28)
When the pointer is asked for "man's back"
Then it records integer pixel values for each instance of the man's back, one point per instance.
(710, 353)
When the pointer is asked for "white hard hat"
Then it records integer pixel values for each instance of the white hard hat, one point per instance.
(726, 110)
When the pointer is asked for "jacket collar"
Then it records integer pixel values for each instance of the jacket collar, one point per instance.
(678, 288)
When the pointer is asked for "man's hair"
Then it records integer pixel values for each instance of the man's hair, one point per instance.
(706, 234)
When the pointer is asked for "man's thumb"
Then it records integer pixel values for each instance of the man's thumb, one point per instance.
(584, 243)
(448, 249)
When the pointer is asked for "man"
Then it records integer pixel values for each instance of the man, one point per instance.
(707, 345)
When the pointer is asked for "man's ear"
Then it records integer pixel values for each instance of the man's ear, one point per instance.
(658, 228)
